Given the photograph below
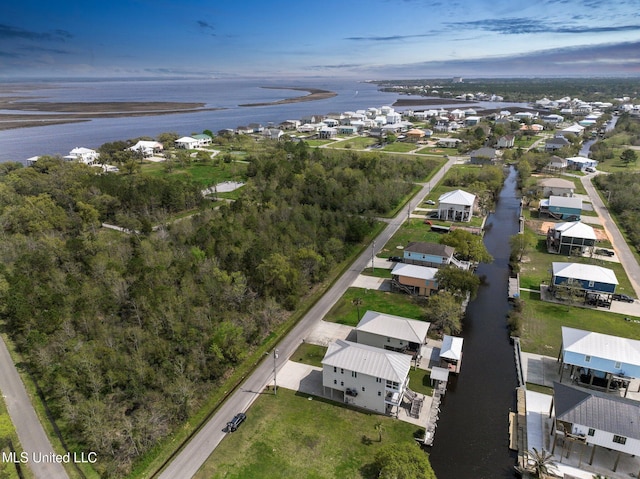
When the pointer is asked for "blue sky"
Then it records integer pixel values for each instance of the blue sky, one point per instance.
(363, 39)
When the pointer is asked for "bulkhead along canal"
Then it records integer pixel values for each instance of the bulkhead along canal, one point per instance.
(472, 437)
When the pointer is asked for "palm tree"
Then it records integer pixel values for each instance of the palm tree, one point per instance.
(541, 462)
(357, 302)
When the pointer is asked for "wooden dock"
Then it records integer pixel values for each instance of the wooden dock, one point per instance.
(514, 287)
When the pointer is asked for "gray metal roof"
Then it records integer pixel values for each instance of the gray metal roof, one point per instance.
(430, 248)
(598, 345)
(414, 271)
(597, 410)
(394, 326)
(368, 360)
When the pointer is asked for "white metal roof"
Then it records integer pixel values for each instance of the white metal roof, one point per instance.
(439, 374)
(458, 197)
(576, 229)
(565, 201)
(600, 345)
(585, 272)
(368, 360)
(414, 271)
(451, 347)
(394, 326)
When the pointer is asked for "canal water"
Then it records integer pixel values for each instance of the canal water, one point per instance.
(471, 440)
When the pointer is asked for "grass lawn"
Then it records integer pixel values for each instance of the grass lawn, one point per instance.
(310, 354)
(357, 143)
(420, 381)
(8, 434)
(537, 268)
(204, 174)
(412, 230)
(430, 150)
(345, 312)
(542, 321)
(289, 435)
(377, 272)
(315, 143)
(400, 147)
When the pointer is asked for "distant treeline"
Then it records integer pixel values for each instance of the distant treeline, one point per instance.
(127, 334)
(530, 89)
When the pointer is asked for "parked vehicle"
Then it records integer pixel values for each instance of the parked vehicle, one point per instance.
(236, 421)
(397, 259)
(605, 252)
(623, 297)
(430, 202)
(589, 169)
(351, 392)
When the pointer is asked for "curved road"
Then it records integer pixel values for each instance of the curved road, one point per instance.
(196, 452)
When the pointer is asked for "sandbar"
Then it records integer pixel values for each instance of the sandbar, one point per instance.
(40, 113)
(314, 94)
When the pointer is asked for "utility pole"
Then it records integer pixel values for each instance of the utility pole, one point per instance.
(275, 383)
(373, 252)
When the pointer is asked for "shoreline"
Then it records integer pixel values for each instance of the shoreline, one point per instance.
(314, 94)
(42, 113)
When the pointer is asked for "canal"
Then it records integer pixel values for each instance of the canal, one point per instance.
(471, 440)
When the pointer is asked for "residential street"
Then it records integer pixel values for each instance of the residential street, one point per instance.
(619, 244)
(196, 452)
(30, 432)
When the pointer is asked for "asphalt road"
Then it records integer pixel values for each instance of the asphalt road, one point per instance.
(32, 437)
(621, 247)
(196, 452)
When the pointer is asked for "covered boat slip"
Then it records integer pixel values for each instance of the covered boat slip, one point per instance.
(599, 361)
(451, 353)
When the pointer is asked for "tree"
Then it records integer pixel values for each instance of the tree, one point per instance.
(628, 156)
(444, 312)
(469, 247)
(357, 302)
(521, 244)
(380, 428)
(458, 281)
(403, 461)
(542, 462)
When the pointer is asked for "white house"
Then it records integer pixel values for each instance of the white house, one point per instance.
(596, 419)
(147, 148)
(556, 187)
(186, 143)
(393, 333)
(203, 139)
(366, 376)
(456, 205)
(85, 155)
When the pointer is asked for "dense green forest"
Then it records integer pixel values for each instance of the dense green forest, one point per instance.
(127, 334)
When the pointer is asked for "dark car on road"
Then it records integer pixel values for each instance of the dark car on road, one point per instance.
(236, 421)
(623, 297)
